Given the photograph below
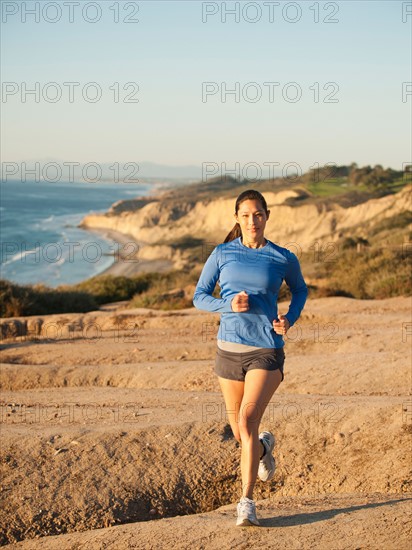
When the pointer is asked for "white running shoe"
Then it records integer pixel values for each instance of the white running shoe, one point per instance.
(267, 464)
(246, 513)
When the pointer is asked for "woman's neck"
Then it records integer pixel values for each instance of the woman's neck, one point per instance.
(252, 244)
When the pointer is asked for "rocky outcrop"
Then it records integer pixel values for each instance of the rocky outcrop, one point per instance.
(160, 223)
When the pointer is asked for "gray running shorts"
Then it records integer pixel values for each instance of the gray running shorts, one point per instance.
(234, 366)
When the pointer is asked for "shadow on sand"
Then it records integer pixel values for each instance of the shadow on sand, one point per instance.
(312, 517)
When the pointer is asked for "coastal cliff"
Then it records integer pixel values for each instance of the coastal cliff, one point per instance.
(159, 223)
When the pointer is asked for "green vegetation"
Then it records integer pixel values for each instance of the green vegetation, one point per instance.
(376, 267)
(167, 291)
(152, 290)
(332, 178)
(330, 188)
(369, 274)
(107, 288)
(339, 186)
(21, 300)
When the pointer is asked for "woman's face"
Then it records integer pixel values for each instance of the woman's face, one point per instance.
(252, 218)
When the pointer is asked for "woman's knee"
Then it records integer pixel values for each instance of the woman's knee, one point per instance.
(248, 424)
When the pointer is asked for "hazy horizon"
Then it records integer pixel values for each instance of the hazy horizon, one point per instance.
(145, 171)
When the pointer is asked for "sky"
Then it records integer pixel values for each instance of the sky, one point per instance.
(312, 82)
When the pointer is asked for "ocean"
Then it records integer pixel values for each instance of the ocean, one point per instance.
(40, 240)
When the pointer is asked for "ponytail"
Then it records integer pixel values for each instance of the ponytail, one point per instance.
(234, 233)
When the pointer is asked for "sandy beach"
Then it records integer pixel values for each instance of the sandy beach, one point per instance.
(127, 260)
(114, 433)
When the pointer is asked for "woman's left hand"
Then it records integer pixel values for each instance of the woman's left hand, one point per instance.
(282, 326)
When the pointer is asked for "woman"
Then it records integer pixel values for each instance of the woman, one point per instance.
(250, 357)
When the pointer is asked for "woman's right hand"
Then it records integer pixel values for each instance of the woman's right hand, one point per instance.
(240, 302)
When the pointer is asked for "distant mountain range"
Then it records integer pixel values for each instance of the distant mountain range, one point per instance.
(153, 170)
(48, 169)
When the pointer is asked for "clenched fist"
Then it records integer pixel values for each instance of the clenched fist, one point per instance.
(240, 302)
(281, 326)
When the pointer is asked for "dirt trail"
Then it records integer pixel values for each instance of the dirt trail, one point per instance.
(129, 428)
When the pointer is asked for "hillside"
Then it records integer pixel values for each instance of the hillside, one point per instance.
(182, 225)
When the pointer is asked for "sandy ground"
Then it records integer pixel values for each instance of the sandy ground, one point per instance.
(114, 433)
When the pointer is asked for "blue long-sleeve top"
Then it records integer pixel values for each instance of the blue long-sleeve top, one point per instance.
(260, 272)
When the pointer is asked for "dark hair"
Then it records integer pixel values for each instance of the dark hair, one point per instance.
(250, 194)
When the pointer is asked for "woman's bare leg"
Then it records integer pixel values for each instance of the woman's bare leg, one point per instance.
(259, 386)
(232, 394)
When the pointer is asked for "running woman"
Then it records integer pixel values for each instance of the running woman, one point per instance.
(249, 357)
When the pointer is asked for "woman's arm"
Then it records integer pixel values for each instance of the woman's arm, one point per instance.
(295, 281)
(202, 298)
